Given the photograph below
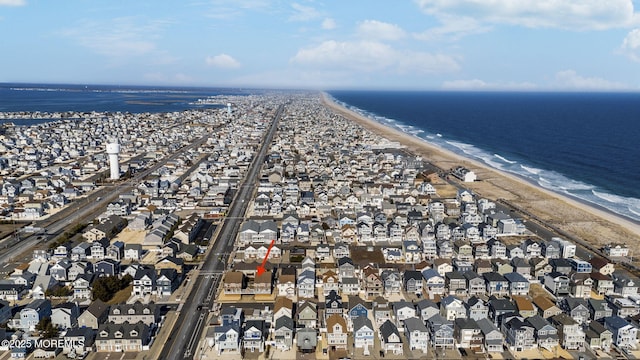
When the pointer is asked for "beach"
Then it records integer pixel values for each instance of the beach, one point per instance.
(592, 225)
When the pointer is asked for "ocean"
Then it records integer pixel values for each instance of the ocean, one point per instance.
(106, 98)
(584, 145)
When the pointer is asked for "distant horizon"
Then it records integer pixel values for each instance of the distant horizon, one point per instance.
(435, 90)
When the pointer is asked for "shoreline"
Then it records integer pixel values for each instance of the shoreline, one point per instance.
(573, 215)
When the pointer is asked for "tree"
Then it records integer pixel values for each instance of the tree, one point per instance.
(105, 287)
(59, 291)
(46, 328)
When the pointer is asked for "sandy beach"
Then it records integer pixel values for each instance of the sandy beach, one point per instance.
(593, 225)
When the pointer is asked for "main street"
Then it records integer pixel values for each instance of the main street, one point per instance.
(195, 310)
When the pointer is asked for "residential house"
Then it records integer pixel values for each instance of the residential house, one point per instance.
(287, 282)
(624, 335)
(167, 282)
(456, 282)
(381, 310)
(434, 283)
(133, 252)
(602, 284)
(492, 336)
(356, 307)
(524, 305)
(546, 307)
(392, 281)
(148, 314)
(336, 332)
(440, 332)
(283, 332)
(580, 284)
(233, 283)
(557, 283)
(363, 333)
(144, 282)
(598, 336)
(65, 315)
(390, 338)
(497, 285)
(33, 312)
(346, 268)
(521, 266)
(452, 308)
(577, 308)
(254, 335)
(403, 310)
(546, 335)
(307, 340)
(518, 284)
(468, 334)
(623, 307)
(426, 309)
(417, 334)
(82, 286)
(561, 265)
(519, 335)
(94, 315)
(412, 281)
(372, 282)
(571, 335)
(306, 283)
(350, 286)
(602, 265)
(599, 309)
(107, 267)
(624, 284)
(123, 337)
(226, 337)
(78, 341)
(307, 314)
(476, 285)
(500, 307)
(476, 308)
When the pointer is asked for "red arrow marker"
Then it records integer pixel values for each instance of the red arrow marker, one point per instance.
(260, 269)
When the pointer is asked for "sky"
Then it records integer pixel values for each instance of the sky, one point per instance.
(520, 45)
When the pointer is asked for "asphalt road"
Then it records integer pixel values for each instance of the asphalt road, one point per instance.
(195, 310)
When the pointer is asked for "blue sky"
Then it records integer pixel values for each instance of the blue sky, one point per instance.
(330, 44)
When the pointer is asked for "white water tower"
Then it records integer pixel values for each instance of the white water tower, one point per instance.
(113, 150)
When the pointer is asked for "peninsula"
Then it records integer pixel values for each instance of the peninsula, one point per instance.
(286, 226)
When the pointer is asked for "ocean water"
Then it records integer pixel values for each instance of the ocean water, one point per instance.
(104, 98)
(585, 145)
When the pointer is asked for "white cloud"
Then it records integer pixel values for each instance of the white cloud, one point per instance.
(378, 30)
(631, 45)
(560, 14)
(329, 24)
(231, 9)
(453, 27)
(372, 56)
(569, 79)
(476, 84)
(118, 38)
(223, 61)
(304, 13)
(13, 2)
